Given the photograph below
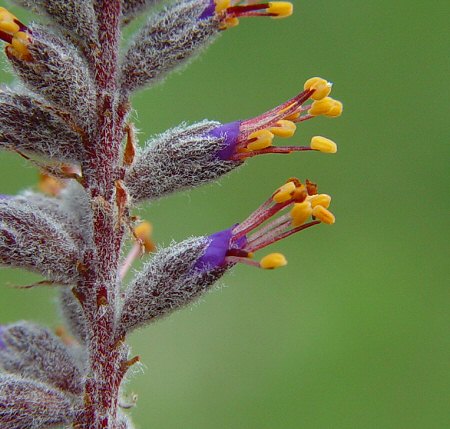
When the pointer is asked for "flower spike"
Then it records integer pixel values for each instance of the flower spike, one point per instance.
(271, 222)
(244, 139)
(229, 11)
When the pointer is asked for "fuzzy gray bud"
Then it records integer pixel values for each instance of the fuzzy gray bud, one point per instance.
(27, 404)
(33, 352)
(76, 204)
(169, 281)
(132, 8)
(73, 315)
(28, 125)
(58, 73)
(124, 421)
(31, 239)
(168, 40)
(181, 158)
(75, 17)
(70, 209)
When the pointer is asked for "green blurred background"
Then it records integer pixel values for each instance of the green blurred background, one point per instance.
(353, 333)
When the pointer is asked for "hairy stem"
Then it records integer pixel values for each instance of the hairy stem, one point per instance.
(98, 289)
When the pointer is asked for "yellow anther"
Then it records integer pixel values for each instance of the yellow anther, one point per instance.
(284, 193)
(6, 13)
(9, 27)
(283, 128)
(143, 233)
(324, 215)
(280, 9)
(300, 213)
(50, 185)
(336, 110)
(274, 260)
(8, 22)
(229, 23)
(260, 140)
(327, 107)
(321, 107)
(322, 144)
(323, 200)
(321, 86)
(221, 5)
(19, 46)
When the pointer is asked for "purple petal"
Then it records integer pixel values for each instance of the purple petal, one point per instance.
(215, 253)
(209, 12)
(231, 133)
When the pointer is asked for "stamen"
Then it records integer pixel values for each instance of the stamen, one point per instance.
(270, 227)
(322, 144)
(273, 230)
(143, 233)
(19, 46)
(9, 23)
(280, 9)
(326, 107)
(259, 140)
(237, 244)
(144, 244)
(270, 118)
(50, 185)
(273, 260)
(283, 235)
(324, 215)
(284, 192)
(321, 87)
(271, 149)
(300, 213)
(237, 259)
(323, 200)
(284, 128)
(311, 187)
(15, 34)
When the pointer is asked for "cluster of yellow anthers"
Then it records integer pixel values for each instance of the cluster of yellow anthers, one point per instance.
(308, 203)
(231, 10)
(292, 112)
(15, 34)
(292, 208)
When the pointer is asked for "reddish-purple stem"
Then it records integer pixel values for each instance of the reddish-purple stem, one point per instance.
(98, 288)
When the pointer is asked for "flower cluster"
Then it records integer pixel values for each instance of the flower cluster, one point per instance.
(70, 117)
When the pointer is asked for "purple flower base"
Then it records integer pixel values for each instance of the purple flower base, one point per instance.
(231, 133)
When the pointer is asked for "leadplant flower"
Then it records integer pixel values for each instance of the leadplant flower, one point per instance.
(70, 117)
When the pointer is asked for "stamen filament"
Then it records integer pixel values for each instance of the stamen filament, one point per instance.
(275, 231)
(272, 149)
(281, 236)
(237, 231)
(257, 218)
(286, 109)
(135, 253)
(238, 259)
(266, 228)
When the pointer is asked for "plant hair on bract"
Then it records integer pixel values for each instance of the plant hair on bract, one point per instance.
(70, 116)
